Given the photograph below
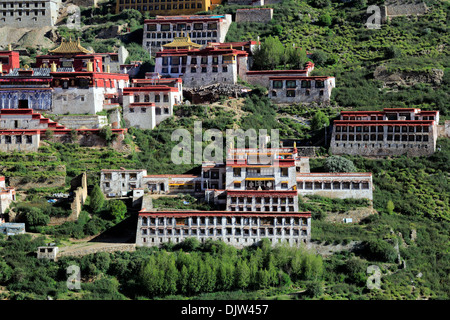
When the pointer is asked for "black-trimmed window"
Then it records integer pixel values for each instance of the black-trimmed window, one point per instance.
(306, 84)
(290, 93)
(291, 84)
(277, 84)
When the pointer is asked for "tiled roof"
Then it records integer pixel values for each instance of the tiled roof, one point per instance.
(182, 42)
(71, 47)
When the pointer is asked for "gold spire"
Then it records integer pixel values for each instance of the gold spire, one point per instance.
(89, 67)
(71, 47)
(53, 67)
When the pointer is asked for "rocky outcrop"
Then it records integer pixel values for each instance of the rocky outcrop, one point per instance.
(213, 93)
(407, 78)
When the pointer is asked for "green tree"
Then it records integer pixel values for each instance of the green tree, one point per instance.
(392, 52)
(106, 133)
(263, 278)
(314, 289)
(268, 55)
(183, 280)
(325, 19)
(295, 57)
(339, 164)
(319, 58)
(6, 272)
(96, 199)
(117, 209)
(35, 217)
(390, 207)
(319, 121)
(242, 274)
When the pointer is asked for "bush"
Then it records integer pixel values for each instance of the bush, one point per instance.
(380, 250)
(339, 164)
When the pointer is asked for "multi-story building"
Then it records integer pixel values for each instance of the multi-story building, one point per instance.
(299, 89)
(200, 67)
(23, 129)
(261, 202)
(70, 80)
(356, 185)
(150, 101)
(393, 131)
(201, 29)
(118, 183)
(169, 7)
(29, 13)
(235, 228)
(262, 77)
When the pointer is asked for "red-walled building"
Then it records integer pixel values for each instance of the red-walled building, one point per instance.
(9, 60)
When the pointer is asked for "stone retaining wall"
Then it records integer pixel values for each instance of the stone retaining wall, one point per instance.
(263, 15)
(109, 249)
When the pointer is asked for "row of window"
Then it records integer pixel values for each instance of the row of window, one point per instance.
(17, 139)
(381, 129)
(261, 232)
(23, 13)
(291, 93)
(161, 43)
(278, 84)
(183, 26)
(261, 200)
(166, 7)
(261, 208)
(158, 111)
(219, 221)
(177, 70)
(388, 117)
(237, 172)
(146, 97)
(379, 137)
(192, 35)
(23, 4)
(215, 60)
(333, 185)
(259, 186)
(155, 240)
(152, 1)
(389, 145)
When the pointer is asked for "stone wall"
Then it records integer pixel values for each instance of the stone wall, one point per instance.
(262, 15)
(82, 121)
(247, 2)
(307, 151)
(444, 130)
(80, 195)
(106, 248)
(356, 215)
(405, 8)
(45, 15)
(47, 182)
(261, 77)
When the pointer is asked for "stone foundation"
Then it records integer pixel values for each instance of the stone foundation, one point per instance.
(262, 15)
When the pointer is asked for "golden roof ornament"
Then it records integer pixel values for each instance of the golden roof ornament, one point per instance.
(71, 47)
(182, 43)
